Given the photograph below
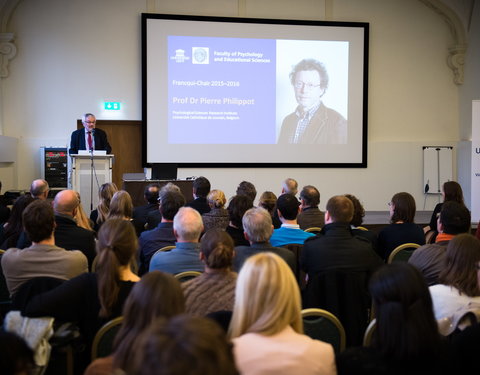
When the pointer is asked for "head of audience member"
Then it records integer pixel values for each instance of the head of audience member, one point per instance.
(267, 297)
(454, 218)
(288, 207)
(14, 223)
(39, 221)
(237, 207)
(151, 193)
(183, 345)
(169, 204)
(309, 197)
(81, 216)
(66, 202)
(268, 201)
(216, 199)
(201, 187)
(89, 121)
(248, 189)
(310, 81)
(39, 189)
(16, 357)
(187, 225)
(105, 194)
(169, 186)
(339, 209)
(402, 208)
(358, 211)
(406, 326)
(257, 225)
(156, 295)
(290, 186)
(460, 269)
(116, 249)
(121, 206)
(216, 250)
(452, 191)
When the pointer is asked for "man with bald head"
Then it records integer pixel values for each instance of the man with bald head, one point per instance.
(67, 234)
(39, 189)
(335, 247)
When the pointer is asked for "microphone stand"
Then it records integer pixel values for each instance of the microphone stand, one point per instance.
(91, 179)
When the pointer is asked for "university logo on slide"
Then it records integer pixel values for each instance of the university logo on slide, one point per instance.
(179, 56)
(200, 55)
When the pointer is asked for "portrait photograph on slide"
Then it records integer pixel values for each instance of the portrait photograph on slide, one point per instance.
(253, 92)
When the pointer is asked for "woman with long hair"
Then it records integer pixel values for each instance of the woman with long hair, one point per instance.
(214, 289)
(121, 206)
(458, 279)
(406, 339)
(156, 295)
(268, 200)
(92, 299)
(105, 194)
(267, 327)
(81, 217)
(402, 228)
(218, 215)
(451, 191)
(14, 226)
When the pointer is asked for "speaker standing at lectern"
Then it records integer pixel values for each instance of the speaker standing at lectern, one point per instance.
(89, 138)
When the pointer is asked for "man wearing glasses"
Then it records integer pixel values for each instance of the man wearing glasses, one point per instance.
(89, 138)
(312, 122)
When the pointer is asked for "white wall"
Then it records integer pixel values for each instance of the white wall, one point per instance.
(73, 55)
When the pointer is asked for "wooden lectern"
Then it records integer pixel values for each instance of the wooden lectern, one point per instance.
(87, 173)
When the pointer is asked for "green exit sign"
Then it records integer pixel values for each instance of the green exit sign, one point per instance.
(112, 106)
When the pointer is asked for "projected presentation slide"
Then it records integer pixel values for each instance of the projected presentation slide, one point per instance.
(245, 94)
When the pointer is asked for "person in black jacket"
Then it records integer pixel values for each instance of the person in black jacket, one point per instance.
(89, 138)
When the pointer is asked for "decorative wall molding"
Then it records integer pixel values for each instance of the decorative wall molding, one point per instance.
(8, 51)
(458, 29)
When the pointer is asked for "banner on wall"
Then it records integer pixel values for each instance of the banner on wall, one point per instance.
(475, 198)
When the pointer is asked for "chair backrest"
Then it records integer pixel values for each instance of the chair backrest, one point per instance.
(4, 294)
(322, 325)
(165, 248)
(403, 252)
(362, 228)
(430, 236)
(103, 342)
(186, 275)
(297, 251)
(367, 338)
(313, 230)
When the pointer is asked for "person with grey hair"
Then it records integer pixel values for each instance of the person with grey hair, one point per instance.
(89, 137)
(312, 122)
(258, 228)
(290, 185)
(187, 228)
(155, 217)
(39, 189)
(310, 215)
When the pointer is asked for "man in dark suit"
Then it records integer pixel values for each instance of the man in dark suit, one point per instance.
(311, 216)
(89, 138)
(257, 224)
(201, 188)
(140, 213)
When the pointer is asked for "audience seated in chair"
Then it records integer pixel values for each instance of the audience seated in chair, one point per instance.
(13, 228)
(257, 224)
(402, 228)
(430, 258)
(214, 289)
(16, 357)
(247, 189)
(238, 205)
(310, 215)
(92, 299)
(339, 266)
(140, 213)
(268, 201)
(289, 232)
(266, 326)
(43, 258)
(105, 194)
(183, 345)
(217, 217)
(357, 220)
(406, 339)
(152, 240)
(201, 188)
(156, 295)
(187, 228)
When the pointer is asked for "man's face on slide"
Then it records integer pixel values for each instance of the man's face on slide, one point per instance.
(89, 123)
(307, 88)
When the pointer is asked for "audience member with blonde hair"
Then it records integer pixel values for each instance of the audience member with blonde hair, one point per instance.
(81, 216)
(267, 327)
(218, 215)
(214, 289)
(92, 299)
(156, 295)
(105, 194)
